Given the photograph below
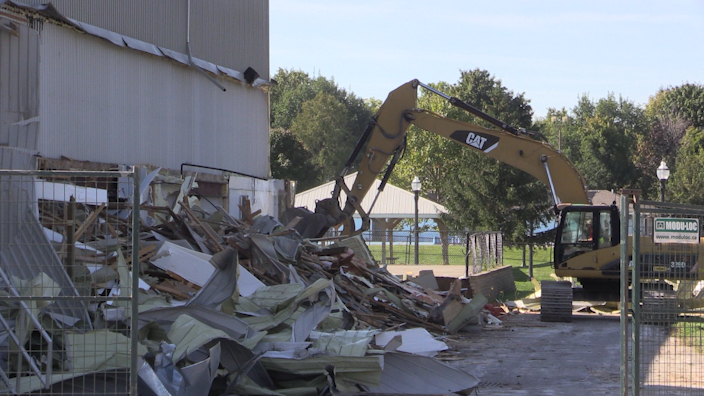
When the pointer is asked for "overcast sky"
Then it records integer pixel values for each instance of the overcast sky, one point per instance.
(552, 51)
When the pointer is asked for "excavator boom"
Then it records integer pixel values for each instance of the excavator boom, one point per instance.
(386, 136)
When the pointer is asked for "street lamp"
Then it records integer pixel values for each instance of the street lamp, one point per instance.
(663, 174)
(415, 186)
(563, 119)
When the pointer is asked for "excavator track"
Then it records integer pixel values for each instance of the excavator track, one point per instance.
(555, 301)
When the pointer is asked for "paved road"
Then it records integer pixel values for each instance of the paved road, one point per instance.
(528, 357)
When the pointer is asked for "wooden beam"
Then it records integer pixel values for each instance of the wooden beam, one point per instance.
(91, 218)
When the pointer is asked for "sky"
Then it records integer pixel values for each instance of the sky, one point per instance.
(551, 51)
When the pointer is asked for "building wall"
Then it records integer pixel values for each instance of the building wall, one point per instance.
(19, 79)
(100, 102)
(230, 33)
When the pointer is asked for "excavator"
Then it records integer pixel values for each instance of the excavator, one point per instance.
(587, 240)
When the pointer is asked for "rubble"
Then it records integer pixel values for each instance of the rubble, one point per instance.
(236, 306)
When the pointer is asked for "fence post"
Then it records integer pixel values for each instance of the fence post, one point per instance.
(500, 247)
(134, 326)
(624, 296)
(466, 258)
(635, 300)
(474, 252)
(70, 237)
(523, 263)
(530, 262)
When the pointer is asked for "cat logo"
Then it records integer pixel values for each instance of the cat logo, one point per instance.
(478, 140)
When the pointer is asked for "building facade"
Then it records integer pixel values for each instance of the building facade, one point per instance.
(140, 82)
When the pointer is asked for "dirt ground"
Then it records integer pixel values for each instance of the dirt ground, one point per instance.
(528, 357)
(525, 356)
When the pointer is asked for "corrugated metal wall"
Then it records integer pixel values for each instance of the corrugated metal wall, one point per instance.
(19, 78)
(100, 102)
(231, 33)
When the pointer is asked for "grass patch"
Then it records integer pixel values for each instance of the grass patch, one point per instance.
(432, 255)
(691, 333)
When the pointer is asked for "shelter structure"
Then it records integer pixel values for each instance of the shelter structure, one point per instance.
(393, 205)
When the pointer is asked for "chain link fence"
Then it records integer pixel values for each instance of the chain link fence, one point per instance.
(66, 290)
(481, 251)
(667, 300)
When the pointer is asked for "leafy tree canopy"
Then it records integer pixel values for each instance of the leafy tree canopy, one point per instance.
(601, 139)
(290, 159)
(479, 192)
(325, 119)
(686, 184)
(685, 101)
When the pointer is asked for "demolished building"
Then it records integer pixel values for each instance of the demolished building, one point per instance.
(205, 303)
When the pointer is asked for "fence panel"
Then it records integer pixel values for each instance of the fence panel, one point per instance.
(65, 284)
(481, 250)
(668, 326)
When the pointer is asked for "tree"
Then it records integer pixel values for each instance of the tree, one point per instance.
(685, 101)
(601, 139)
(293, 88)
(326, 129)
(670, 113)
(327, 120)
(686, 184)
(290, 160)
(479, 192)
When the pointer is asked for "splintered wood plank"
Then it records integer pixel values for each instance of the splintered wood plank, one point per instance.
(207, 231)
(91, 218)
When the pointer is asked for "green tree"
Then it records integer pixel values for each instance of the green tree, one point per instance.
(685, 101)
(290, 160)
(601, 139)
(293, 88)
(670, 113)
(326, 119)
(479, 192)
(686, 184)
(327, 130)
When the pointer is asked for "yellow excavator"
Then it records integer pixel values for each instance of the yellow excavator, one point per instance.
(587, 242)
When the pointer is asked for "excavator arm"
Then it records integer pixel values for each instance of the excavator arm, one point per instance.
(536, 158)
(386, 136)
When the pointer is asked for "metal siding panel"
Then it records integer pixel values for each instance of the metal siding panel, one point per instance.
(14, 68)
(108, 104)
(242, 40)
(5, 119)
(18, 79)
(32, 65)
(233, 34)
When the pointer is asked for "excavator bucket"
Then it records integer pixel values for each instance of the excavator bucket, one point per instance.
(310, 225)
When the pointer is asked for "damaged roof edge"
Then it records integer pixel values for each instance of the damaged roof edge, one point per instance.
(48, 11)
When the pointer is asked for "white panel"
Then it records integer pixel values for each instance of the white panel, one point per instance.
(262, 194)
(104, 103)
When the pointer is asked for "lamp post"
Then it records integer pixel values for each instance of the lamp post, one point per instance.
(663, 173)
(415, 186)
(562, 120)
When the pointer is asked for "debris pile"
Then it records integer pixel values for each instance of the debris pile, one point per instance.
(226, 305)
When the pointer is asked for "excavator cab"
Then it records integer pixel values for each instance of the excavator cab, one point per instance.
(586, 228)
